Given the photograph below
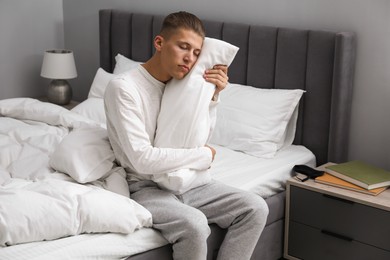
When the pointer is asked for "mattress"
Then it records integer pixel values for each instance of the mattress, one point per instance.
(264, 177)
(87, 246)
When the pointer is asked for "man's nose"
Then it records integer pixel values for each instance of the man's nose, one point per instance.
(189, 57)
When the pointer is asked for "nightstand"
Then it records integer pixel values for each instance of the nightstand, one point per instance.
(69, 106)
(325, 222)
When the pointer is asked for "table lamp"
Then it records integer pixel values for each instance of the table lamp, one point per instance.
(59, 65)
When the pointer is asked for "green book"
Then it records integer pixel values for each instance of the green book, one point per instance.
(362, 174)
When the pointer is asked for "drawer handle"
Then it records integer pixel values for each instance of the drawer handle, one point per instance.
(330, 233)
(337, 198)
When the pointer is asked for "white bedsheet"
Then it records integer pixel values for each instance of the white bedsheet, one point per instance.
(87, 246)
(265, 177)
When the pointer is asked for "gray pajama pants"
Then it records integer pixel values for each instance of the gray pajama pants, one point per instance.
(183, 219)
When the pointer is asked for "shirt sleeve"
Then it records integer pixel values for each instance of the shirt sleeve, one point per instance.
(126, 118)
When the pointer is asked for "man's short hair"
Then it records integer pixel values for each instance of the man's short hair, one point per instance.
(180, 20)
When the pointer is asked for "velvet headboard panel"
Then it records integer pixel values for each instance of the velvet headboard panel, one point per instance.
(320, 62)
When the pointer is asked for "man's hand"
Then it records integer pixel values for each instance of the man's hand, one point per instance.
(218, 76)
(213, 152)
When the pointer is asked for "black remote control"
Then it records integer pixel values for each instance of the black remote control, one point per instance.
(308, 171)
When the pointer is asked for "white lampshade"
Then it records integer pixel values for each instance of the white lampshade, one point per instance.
(58, 64)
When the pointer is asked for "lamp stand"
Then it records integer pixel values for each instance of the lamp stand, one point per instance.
(59, 92)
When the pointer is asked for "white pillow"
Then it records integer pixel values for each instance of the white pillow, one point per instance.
(184, 119)
(254, 120)
(102, 77)
(99, 84)
(290, 131)
(92, 108)
(85, 154)
(123, 64)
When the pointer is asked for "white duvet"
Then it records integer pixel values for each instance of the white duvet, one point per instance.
(46, 152)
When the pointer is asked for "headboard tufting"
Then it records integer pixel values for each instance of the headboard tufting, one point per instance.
(321, 62)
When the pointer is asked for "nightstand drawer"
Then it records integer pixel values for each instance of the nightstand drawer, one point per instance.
(349, 219)
(310, 243)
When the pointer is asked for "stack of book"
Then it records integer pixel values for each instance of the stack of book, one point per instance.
(356, 176)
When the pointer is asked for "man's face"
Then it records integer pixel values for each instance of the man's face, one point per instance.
(180, 51)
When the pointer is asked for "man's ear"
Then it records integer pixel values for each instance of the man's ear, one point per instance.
(158, 42)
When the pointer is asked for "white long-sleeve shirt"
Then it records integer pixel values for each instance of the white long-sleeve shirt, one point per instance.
(132, 104)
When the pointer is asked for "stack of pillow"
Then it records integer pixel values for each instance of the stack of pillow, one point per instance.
(255, 121)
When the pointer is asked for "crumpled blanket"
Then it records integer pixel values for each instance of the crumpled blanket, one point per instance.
(39, 200)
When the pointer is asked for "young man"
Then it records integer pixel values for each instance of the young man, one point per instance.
(132, 104)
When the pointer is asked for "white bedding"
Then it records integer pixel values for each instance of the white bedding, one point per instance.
(265, 177)
(38, 203)
(34, 128)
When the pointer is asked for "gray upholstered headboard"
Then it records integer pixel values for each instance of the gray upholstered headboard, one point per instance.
(320, 62)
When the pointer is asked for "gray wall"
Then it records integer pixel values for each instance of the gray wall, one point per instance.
(369, 138)
(27, 29)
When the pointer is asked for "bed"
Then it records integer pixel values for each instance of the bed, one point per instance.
(319, 62)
